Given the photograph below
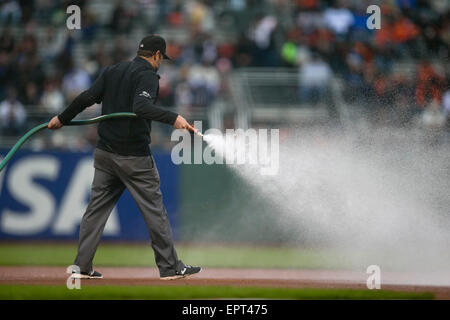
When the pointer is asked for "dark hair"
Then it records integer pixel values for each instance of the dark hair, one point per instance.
(145, 53)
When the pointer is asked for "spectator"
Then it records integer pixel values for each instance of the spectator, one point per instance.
(262, 35)
(404, 30)
(120, 51)
(201, 16)
(204, 82)
(7, 42)
(90, 25)
(339, 20)
(314, 80)
(10, 12)
(310, 20)
(29, 70)
(12, 114)
(244, 52)
(31, 97)
(121, 20)
(27, 8)
(183, 96)
(433, 116)
(52, 100)
(384, 36)
(209, 52)
(54, 43)
(263, 30)
(406, 4)
(404, 35)
(75, 82)
(6, 72)
(28, 46)
(289, 53)
(383, 59)
(360, 31)
(428, 84)
(174, 49)
(175, 16)
(98, 61)
(294, 51)
(380, 105)
(165, 96)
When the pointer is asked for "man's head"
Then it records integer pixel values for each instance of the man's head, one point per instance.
(153, 49)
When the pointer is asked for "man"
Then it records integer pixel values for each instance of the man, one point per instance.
(123, 159)
(12, 114)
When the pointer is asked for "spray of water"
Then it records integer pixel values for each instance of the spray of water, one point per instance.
(217, 143)
(376, 197)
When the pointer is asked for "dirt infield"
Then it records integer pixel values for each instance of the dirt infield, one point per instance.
(437, 283)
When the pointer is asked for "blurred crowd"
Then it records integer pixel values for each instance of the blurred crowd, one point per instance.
(400, 73)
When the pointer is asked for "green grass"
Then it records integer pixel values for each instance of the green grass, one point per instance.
(195, 292)
(242, 256)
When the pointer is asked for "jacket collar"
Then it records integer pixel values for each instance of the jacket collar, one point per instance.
(145, 63)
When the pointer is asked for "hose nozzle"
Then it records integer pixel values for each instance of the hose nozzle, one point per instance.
(198, 133)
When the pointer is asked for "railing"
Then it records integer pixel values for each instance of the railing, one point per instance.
(272, 95)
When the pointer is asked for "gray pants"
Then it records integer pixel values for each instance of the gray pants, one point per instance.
(114, 173)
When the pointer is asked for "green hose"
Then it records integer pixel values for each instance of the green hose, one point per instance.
(72, 123)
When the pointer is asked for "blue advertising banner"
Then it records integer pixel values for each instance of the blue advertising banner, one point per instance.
(43, 195)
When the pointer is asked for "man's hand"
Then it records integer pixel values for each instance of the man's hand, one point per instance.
(55, 123)
(181, 123)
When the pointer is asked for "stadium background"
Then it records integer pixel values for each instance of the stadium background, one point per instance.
(286, 64)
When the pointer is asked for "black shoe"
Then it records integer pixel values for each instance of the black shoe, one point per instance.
(183, 273)
(87, 275)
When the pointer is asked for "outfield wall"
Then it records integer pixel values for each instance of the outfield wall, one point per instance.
(43, 195)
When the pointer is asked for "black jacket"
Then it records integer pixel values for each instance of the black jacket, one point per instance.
(130, 86)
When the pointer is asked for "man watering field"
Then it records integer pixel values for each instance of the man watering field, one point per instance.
(122, 158)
